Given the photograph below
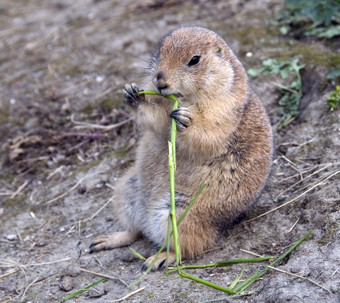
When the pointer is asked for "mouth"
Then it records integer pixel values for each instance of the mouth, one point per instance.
(178, 95)
(167, 92)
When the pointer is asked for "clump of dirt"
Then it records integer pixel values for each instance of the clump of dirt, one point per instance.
(66, 137)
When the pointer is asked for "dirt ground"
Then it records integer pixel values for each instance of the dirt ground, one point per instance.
(62, 65)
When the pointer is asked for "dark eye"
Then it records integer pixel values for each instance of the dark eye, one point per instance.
(194, 60)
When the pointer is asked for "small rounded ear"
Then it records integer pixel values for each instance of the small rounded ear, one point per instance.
(223, 51)
(219, 50)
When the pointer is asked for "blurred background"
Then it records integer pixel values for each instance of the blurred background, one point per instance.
(65, 135)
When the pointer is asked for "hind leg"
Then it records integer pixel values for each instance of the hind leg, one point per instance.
(126, 206)
(160, 262)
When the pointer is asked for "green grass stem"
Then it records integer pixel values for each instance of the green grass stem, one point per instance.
(137, 254)
(210, 284)
(238, 278)
(79, 292)
(190, 204)
(223, 263)
(244, 285)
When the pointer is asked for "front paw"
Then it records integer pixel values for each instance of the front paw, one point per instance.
(131, 95)
(183, 117)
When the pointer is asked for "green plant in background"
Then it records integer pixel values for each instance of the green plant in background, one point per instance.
(334, 74)
(291, 94)
(320, 18)
(333, 101)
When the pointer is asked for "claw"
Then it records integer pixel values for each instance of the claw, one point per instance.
(144, 267)
(160, 262)
(135, 89)
(131, 95)
(182, 116)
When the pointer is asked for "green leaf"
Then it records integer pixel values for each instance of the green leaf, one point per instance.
(324, 32)
(252, 72)
(333, 74)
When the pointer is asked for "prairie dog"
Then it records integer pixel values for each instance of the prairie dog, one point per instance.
(224, 140)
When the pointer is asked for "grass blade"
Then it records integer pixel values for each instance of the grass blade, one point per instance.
(190, 204)
(244, 285)
(137, 254)
(232, 285)
(223, 263)
(79, 292)
(210, 284)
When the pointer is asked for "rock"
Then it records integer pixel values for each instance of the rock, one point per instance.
(11, 237)
(97, 292)
(66, 283)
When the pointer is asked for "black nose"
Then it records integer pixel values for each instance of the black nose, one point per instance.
(160, 75)
(160, 81)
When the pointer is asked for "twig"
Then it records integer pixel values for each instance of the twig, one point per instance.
(285, 88)
(289, 161)
(293, 225)
(11, 263)
(128, 295)
(85, 135)
(300, 277)
(293, 166)
(13, 271)
(287, 272)
(29, 285)
(32, 160)
(6, 193)
(104, 276)
(19, 190)
(72, 188)
(335, 271)
(98, 211)
(55, 172)
(306, 170)
(97, 126)
(317, 181)
(8, 263)
(314, 173)
(294, 199)
(244, 285)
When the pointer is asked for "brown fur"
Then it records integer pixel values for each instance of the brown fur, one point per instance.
(226, 143)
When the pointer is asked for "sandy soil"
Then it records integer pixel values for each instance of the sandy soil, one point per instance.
(62, 66)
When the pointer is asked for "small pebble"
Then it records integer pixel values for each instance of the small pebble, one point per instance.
(97, 292)
(82, 189)
(11, 237)
(100, 79)
(66, 283)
